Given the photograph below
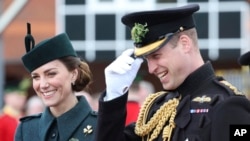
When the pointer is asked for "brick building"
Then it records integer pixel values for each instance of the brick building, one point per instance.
(98, 36)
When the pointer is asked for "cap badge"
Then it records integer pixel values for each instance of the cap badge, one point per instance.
(88, 130)
(138, 32)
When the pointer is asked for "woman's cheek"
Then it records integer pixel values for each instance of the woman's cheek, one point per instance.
(35, 86)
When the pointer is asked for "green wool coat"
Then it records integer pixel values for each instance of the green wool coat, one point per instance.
(78, 124)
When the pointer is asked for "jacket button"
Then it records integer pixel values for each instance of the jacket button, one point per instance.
(53, 135)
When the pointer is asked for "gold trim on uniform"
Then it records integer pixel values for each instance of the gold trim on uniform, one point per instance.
(202, 99)
(140, 51)
(166, 114)
(233, 88)
(147, 49)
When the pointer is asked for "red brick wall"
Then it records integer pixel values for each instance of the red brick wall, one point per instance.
(41, 15)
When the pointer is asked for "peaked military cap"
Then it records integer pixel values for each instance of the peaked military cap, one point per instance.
(244, 59)
(46, 51)
(151, 30)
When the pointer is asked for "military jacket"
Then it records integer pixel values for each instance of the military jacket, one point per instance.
(78, 124)
(207, 106)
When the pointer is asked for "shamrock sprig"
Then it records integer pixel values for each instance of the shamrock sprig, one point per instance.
(138, 32)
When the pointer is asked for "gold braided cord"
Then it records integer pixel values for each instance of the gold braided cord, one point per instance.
(167, 131)
(233, 88)
(166, 113)
(143, 115)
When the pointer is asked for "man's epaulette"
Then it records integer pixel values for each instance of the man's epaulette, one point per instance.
(233, 88)
(26, 118)
(228, 85)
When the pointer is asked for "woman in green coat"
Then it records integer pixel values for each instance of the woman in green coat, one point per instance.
(57, 73)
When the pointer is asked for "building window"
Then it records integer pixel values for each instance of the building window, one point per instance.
(105, 27)
(74, 2)
(202, 25)
(75, 26)
(95, 25)
(229, 25)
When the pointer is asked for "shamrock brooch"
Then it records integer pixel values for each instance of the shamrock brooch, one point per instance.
(88, 130)
(138, 32)
(73, 139)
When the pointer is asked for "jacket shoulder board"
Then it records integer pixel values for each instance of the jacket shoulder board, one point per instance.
(231, 87)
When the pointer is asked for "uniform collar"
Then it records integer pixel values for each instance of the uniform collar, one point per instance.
(196, 79)
(76, 115)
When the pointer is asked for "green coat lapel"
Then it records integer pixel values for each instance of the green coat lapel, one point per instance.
(45, 123)
(67, 123)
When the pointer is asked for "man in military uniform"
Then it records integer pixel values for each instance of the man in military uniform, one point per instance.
(195, 105)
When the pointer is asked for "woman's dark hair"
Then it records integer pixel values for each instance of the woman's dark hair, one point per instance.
(84, 77)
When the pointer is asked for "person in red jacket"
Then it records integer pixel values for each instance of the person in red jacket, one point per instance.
(133, 105)
(14, 103)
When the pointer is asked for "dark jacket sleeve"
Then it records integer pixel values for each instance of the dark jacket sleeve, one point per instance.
(111, 120)
(18, 134)
(233, 111)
